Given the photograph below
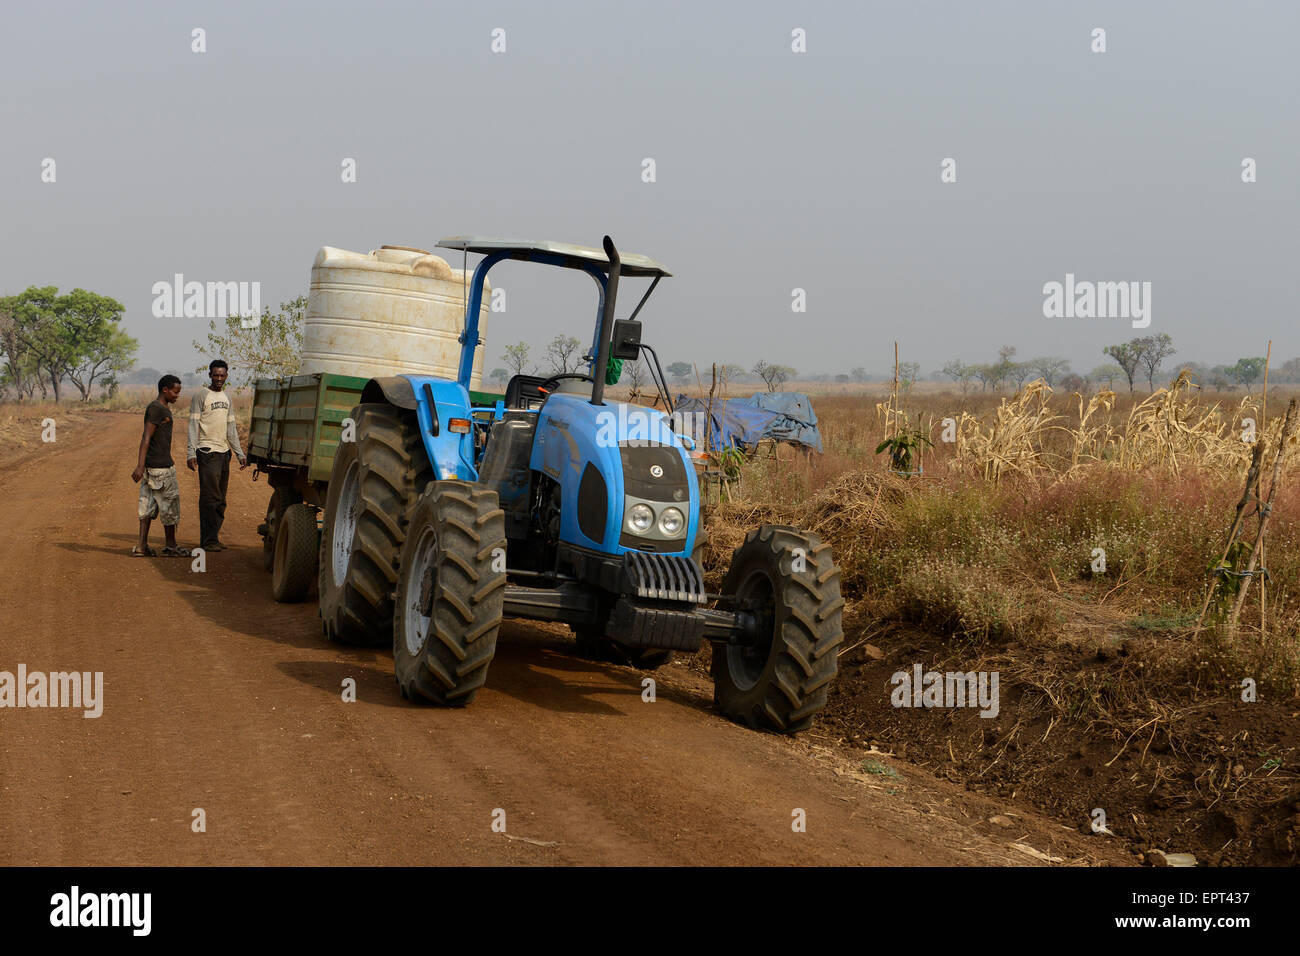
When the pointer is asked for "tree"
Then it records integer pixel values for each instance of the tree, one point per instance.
(774, 376)
(1107, 373)
(908, 373)
(98, 348)
(12, 345)
(961, 373)
(562, 351)
(1152, 351)
(1019, 372)
(1050, 368)
(47, 335)
(1247, 370)
(1073, 383)
(680, 371)
(270, 349)
(108, 355)
(499, 375)
(516, 357)
(989, 375)
(36, 310)
(635, 375)
(1126, 356)
(143, 376)
(1006, 369)
(858, 374)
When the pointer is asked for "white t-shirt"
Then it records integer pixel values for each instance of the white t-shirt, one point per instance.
(215, 422)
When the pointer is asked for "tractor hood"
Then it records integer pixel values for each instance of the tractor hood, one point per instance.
(608, 459)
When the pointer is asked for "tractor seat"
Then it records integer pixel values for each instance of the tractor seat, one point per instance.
(522, 391)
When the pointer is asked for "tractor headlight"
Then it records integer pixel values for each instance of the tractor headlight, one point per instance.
(639, 518)
(671, 522)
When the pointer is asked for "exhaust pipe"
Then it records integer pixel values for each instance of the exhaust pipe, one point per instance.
(606, 325)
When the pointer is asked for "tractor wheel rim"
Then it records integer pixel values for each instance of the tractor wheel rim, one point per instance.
(415, 623)
(345, 525)
(746, 662)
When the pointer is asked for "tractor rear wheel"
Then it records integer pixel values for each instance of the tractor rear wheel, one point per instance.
(450, 594)
(374, 485)
(788, 580)
(296, 551)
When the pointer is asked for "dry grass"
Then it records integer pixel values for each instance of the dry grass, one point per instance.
(997, 541)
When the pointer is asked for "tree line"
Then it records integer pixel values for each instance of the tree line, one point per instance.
(1131, 361)
(47, 339)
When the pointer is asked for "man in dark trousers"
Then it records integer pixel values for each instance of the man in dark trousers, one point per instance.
(155, 472)
(211, 440)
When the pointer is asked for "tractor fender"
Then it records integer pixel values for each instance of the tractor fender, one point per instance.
(395, 391)
(433, 401)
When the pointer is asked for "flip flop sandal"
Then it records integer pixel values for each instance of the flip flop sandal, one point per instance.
(148, 552)
(176, 552)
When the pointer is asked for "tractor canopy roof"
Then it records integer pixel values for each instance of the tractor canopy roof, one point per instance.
(564, 254)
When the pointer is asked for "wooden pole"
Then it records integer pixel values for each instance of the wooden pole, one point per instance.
(1263, 418)
(893, 398)
(1252, 480)
(1288, 426)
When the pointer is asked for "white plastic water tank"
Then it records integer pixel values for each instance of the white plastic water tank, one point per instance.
(391, 311)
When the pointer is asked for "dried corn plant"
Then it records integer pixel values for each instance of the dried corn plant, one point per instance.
(1091, 439)
(1014, 440)
(1168, 429)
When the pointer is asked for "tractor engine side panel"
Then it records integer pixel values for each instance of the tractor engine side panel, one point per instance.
(584, 447)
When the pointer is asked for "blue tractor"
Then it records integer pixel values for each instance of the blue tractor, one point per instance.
(444, 517)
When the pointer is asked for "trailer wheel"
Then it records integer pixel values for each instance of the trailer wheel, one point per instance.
(450, 594)
(788, 581)
(281, 500)
(296, 548)
(374, 484)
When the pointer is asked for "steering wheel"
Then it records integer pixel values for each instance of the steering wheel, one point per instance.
(549, 384)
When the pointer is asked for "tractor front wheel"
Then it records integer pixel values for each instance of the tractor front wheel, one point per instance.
(450, 596)
(787, 585)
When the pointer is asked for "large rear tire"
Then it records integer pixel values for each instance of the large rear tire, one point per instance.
(450, 594)
(296, 550)
(789, 581)
(374, 485)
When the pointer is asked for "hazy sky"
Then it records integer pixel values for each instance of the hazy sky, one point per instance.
(775, 170)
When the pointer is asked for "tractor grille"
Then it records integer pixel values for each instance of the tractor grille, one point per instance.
(663, 577)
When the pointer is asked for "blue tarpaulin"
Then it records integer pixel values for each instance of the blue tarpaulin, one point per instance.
(744, 422)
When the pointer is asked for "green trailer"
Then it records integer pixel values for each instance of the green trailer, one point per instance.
(297, 425)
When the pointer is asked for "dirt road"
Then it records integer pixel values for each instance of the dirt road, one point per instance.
(216, 698)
